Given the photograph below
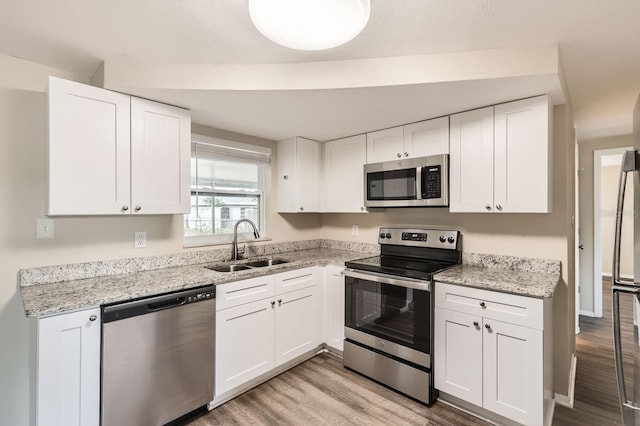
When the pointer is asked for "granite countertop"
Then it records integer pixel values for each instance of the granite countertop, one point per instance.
(507, 274)
(40, 299)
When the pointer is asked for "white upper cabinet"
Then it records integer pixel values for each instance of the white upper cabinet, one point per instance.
(385, 145)
(429, 137)
(500, 158)
(343, 183)
(298, 175)
(110, 153)
(89, 149)
(160, 158)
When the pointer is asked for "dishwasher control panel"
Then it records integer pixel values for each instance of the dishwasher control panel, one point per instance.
(200, 296)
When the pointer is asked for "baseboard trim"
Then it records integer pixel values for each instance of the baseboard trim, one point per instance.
(567, 400)
(587, 313)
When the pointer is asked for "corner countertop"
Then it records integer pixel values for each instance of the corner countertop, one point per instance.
(507, 274)
(41, 299)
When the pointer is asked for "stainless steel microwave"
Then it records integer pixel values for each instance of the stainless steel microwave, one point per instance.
(413, 182)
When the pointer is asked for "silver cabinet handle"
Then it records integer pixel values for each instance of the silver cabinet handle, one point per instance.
(286, 177)
(138, 208)
(475, 324)
(487, 326)
(301, 208)
(399, 155)
(362, 208)
(488, 207)
(125, 208)
(93, 318)
(483, 305)
(279, 302)
(273, 303)
(499, 207)
(406, 154)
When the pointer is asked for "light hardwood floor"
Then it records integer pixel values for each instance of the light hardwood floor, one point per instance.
(322, 392)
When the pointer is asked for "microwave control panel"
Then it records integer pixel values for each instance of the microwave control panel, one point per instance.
(431, 182)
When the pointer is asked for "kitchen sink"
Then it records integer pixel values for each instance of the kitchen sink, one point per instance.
(228, 268)
(234, 267)
(266, 262)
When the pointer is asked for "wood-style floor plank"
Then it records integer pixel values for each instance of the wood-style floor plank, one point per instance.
(322, 392)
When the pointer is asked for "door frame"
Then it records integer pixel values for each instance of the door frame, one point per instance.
(597, 230)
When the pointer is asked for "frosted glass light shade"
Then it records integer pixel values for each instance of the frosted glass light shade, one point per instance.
(310, 24)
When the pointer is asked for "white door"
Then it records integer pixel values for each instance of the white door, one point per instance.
(385, 145)
(244, 344)
(471, 161)
(68, 389)
(521, 162)
(308, 171)
(160, 158)
(344, 175)
(458, 355)
(430, 137)
(296, 324)
(89, 150)
(513, 374)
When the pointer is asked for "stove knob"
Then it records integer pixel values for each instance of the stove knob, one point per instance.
(442, 239)
(451, 240)
(382, 235)
(388, 235)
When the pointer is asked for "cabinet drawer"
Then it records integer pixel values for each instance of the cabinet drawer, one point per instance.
(297, 279)
(245, 291)
(511, 308)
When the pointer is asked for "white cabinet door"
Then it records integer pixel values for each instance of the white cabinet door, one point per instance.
(68, 389)
(343, 174)
(471, 161)
(522, 154)
(385, 145)
(89, 142)
(458, 355)
(160, 158)
(244, 343)
(430, 137)
(513, 373)
(334, 307)
(298, 175)
(296, 324)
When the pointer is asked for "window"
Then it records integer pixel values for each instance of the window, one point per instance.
(227, 184)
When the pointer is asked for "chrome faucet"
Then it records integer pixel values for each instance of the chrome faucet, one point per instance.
(237, 253)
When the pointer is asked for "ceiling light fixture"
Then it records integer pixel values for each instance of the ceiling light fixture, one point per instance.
(310, 24)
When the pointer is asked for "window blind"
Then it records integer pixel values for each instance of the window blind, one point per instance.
(219, 149)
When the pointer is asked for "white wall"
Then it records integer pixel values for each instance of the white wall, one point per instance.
(586, 149)
(23, 139)
(609, 179)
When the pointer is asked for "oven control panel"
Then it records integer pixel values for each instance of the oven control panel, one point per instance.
(419, 237)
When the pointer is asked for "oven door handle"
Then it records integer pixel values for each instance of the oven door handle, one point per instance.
(389, 279)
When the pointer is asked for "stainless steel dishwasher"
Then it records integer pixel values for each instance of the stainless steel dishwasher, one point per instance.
(158, 357)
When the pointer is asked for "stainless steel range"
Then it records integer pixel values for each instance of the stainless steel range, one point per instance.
(389, 308)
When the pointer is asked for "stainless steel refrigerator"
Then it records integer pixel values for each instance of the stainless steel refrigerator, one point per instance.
(628, 291)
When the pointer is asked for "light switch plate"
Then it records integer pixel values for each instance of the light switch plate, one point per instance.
(45, 228)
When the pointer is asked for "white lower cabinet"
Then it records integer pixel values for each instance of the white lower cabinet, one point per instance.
(272, 320)
(492, 351)
(68, 375)
(333, 316)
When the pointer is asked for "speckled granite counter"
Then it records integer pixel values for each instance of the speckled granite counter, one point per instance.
(57, 289)
(507, 274)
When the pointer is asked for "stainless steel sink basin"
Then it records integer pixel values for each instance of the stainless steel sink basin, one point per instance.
(266, 262)
(233, 267)
(228, 268)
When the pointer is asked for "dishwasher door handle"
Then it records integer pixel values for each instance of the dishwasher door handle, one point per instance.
(166, 304)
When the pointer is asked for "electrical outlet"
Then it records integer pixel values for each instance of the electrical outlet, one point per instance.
(140, 239)
(45, 228)
(354, 230)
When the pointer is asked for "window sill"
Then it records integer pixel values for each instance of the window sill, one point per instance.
(191, 242)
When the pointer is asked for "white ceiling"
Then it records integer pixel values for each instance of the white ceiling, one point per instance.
(599, 43)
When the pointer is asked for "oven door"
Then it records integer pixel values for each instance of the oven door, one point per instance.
(389, 314)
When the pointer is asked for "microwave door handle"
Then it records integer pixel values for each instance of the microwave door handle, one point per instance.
(419, 183)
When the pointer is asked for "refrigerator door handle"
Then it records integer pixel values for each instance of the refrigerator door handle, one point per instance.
(625, 404)
(629, 164)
